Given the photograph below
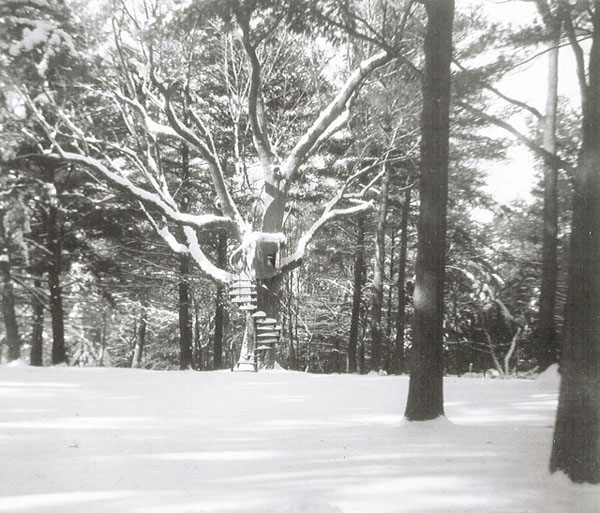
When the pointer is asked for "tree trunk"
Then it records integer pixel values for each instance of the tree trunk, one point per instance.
(379, 274)
(576, 447)
(198, 353)
(547, 341)
(220, 303)
(103, 335)
(186, 354)
(185, 315)
(399, 364)
(359, 271)
(13, 340)
(37, 340)
(138, 350)
(425, 395)
(54, 228)
(390, 298)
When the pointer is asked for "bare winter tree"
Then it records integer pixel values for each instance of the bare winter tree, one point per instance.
(158, 111)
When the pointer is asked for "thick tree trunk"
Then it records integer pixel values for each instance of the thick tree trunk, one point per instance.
(576, 447)
(13, 340)
(399, 359)
(425, 395)
(220, 304)
(37, 340)
(547, 342)
(185, 315)
(54, 227)
(359, 271)
(140, 342)
(379, 275)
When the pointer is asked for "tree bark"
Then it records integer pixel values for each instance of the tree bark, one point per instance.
(186, 355)
(185, 315)
(359, 271)
(13, 340)
(54, 229)
(140, 342)
(399, 363)
(37, 340)
(425, 395)
(390, 296)
(379, 274)
(576, 447)
(220, 304)
(198, 353)
(547, 341)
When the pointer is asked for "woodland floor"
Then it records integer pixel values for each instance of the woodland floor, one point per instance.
(114, 440)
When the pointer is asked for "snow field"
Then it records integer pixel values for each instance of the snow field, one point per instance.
(132, 441)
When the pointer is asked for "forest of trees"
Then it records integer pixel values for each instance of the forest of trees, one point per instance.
(255, 183)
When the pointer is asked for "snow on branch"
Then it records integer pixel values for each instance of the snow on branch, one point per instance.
(152, 127)
(330, 114)
(296, 258)
(165, 233)
(329, 214)
(192, 248)
(202, 221)
(203, 262)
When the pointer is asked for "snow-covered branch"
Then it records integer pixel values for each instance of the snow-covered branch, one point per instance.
(202, 221)
(330, 114)
(203, 262)
(295, 259)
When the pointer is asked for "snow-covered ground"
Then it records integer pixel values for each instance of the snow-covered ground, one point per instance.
(111, 440)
